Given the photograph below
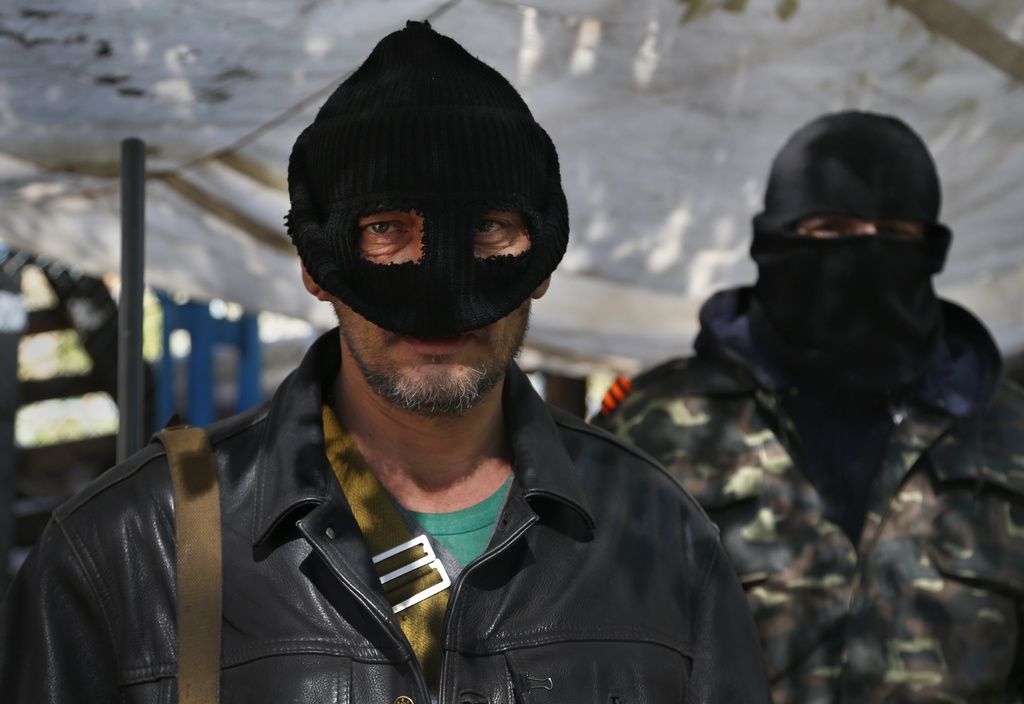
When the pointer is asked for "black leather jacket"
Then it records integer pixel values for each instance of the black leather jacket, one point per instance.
(603, 582)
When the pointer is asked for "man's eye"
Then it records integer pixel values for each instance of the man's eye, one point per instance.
(500, 233)
(487, 225)
(380, 228)
(902, 228)
(391, 237)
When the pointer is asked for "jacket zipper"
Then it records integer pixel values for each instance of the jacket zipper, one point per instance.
(390, 627)
(861, 573)
(475, 564)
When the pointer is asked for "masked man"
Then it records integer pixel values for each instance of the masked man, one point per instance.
(848, 432)
(405, 520)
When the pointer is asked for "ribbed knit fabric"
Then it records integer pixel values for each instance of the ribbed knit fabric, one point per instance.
(423, 125)
(859, 164)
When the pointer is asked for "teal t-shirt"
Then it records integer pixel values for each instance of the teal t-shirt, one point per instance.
(465, 533)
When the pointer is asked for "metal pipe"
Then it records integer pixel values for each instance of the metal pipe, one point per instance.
(13, 319)
(130, 389)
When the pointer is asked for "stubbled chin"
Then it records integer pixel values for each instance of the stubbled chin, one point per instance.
(437, 347)
(437, 371)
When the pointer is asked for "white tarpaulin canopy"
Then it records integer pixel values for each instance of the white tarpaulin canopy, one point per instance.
(666, 114)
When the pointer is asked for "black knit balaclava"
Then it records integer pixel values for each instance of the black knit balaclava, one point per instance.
(424, 126)
(858, 313)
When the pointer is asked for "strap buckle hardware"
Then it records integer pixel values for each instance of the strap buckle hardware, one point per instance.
(429, 559)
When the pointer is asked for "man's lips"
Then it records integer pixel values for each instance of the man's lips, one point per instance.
(435, 346)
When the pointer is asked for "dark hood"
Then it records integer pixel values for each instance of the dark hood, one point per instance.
(851, 163)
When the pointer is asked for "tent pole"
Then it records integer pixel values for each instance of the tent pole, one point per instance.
(130, 388)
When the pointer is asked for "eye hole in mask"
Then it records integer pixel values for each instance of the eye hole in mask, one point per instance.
(391, 237)
(501, 233)
(396, 236)
(833, 226)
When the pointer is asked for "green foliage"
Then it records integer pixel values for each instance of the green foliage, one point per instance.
(152, 327)
(52, 354)
(65, 419)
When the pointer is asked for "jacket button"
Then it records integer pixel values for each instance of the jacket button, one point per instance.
(330, 533)
(404, 700)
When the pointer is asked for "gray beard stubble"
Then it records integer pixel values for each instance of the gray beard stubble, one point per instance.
(447, 397)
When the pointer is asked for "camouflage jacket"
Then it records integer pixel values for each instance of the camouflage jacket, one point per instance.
(927, 608)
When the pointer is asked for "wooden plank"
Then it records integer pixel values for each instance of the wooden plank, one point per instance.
(99, 449)
(51, 320)
(60, 470)
(35, 390)
(974, 34)
(273, 237)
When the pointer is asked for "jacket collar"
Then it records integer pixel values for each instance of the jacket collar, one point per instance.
(291, 465)
(543, 467)
(962, 376)
(292, 470)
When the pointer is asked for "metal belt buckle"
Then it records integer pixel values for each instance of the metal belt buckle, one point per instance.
(429, 559)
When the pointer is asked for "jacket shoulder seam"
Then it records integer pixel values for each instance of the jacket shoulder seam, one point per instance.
(104, 484)
(712, 563)
(220, 435)
(81, 501)
(586, 429)
(81, 557)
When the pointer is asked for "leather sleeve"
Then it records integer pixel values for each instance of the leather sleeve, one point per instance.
(727, 664)
(55, 643)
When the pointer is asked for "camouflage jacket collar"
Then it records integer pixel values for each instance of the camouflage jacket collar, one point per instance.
(919, 428)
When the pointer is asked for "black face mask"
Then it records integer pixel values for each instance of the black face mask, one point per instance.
(424, 126)
(857, 313)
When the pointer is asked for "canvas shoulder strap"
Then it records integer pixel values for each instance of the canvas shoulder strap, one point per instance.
(198, 546)
(414, 580)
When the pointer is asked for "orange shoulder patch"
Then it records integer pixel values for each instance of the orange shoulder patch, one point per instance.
(616, 394)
